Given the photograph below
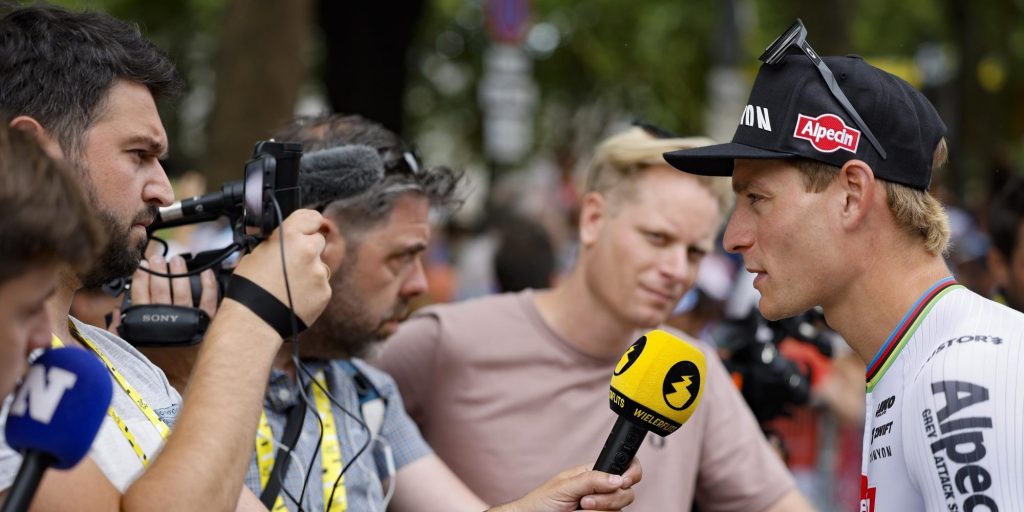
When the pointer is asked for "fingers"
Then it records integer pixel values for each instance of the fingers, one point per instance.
(601, 491)
(208, 297)
(140, 285)
(633, 474)
(305, 221)
(150, 289)
(614, 501)
(591, 482)
(159, 287)
(181, 287)
(571, 472)
(304, 244)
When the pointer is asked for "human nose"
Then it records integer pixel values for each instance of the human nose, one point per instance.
(738, 235)
(416, 283)
(157, 190)
(39, 335)
(676, 264)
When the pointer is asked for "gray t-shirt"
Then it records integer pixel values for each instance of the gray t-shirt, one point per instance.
(397, 444)
(111, 450)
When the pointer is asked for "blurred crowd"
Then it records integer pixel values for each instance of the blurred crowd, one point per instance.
(500, 324)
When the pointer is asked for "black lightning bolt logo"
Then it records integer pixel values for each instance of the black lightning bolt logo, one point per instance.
(630, 356)
(682, 382)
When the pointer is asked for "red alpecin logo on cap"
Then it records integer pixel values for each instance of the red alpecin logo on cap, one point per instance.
(827, 133)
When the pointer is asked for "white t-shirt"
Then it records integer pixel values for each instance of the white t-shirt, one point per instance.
(111, 450)
(944, 425)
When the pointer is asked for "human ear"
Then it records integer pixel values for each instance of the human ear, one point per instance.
(858, 191)
(593, 213)
(45, 139)
(335, 249)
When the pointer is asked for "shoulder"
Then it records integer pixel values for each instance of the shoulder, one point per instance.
(961, 408)
(972, 355)
(967, 332)
(452, 323)
(379, 378)
(120, 352)
(136, 368)
(474, 309)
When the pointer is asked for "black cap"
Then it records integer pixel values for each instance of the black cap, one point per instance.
(792, 114)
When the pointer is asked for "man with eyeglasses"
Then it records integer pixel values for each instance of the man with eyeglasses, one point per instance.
(833, 210)
(333, 434)
(508, 386)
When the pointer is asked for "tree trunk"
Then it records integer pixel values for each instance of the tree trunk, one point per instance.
(365, 66)
(828, 24)
(260, 68)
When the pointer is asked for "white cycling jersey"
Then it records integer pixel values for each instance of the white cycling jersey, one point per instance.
(945, 408)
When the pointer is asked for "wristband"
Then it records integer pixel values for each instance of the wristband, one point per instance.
(265, 305)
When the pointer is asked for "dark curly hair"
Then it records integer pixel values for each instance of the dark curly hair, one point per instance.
(403, 172)
(57, 66)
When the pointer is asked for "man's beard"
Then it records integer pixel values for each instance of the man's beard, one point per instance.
(345, 330)
(119, 257)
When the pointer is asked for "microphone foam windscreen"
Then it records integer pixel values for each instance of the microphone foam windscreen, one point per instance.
(337, 173)
(658, 382)
(60, 405)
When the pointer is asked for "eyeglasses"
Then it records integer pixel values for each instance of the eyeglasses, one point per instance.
(407, 161)
(795, 38)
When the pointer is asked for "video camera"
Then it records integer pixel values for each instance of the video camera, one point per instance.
(253, 206)
(770, 383)
(272, 175)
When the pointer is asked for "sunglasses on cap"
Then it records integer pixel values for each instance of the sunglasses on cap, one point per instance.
(654, 130)
(794, 40)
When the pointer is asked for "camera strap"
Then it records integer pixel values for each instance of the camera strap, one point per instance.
(274, 479)
(266, 306)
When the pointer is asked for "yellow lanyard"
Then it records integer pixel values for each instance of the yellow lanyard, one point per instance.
(265, 458)
(158, 424)
(330, 452)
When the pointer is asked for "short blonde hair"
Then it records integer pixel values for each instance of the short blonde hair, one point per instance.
(916, 211)
(620, 158)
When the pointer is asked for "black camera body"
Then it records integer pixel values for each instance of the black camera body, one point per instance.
(269, 191)
(270, 182)
(271, 185)
(770, 383)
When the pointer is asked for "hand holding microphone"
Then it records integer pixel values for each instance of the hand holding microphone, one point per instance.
(54, 417)
(656, 387)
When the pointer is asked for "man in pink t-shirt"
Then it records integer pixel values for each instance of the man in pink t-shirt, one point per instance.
(507, 387)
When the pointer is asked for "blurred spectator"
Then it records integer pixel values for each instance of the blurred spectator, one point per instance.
(1005, 255)
(704, 305)
(524, 257)
(967, 247)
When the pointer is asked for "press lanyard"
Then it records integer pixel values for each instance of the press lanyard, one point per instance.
(265, 458)
(155, 420)
(330, 451)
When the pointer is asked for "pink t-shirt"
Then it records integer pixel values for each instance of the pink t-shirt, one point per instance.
(507, 403)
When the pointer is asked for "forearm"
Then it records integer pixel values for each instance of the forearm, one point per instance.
(792, 501)
(428, 485)
(203, 464)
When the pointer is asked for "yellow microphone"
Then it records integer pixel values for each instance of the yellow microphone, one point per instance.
(656, 386)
